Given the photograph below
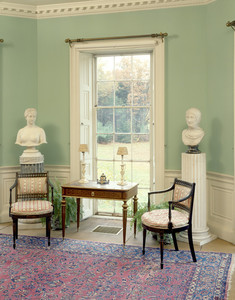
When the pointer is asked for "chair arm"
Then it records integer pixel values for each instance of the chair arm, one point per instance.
(170, 225)
(13, 186)
(180, 200)
(52, 191)
(52, 194)
(162, 191)
(158, 192)
(10, 200)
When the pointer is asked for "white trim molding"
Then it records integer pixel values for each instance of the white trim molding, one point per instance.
(91, 7)
(234, 129)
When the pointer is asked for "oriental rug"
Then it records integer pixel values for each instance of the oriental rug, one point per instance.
(73, 269)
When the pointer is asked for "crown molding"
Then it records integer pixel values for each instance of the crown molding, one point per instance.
(91, 7)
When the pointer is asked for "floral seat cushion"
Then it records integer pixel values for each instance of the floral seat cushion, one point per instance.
(159, 218)
(32, 207)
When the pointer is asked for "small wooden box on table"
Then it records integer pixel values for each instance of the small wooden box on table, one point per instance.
(92, 189)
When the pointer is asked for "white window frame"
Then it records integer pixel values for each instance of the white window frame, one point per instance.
(156, 46)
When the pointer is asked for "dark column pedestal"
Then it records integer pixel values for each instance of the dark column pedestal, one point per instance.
(32, 168)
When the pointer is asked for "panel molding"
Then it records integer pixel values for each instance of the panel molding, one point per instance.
(91, 7)
(220, 203)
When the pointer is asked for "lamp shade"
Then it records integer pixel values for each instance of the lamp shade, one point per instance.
(122, 151)
(83, 148)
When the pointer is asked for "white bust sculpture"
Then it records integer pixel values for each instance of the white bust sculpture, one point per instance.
(31, 135)
(193, 135)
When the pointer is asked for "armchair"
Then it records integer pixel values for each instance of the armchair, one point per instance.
(175, 219)
(31, 200)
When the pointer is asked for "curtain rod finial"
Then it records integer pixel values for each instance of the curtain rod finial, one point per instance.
(230, 24)
(67, 40)
(1, 40)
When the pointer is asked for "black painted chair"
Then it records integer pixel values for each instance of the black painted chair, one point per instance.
(175, 219)
(31, 200)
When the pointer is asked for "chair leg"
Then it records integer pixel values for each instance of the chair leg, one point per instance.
(175, 241)
(14, 225)
(46, 227)
(48, 230)
(190, 239)
(161, 247)
(16, 229)
(144, 240)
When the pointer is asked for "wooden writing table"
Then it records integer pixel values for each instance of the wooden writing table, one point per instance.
(92, 189)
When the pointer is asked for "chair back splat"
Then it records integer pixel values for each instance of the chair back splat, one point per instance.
(178, 217)
(31, 200)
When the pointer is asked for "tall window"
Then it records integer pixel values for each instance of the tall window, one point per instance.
(126, 99)
(123, 118)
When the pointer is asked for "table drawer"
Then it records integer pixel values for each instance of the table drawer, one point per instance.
(69, 192)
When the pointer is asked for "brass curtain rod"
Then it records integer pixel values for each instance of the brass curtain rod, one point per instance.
(231, 24)
(154, 35)
(1, 40)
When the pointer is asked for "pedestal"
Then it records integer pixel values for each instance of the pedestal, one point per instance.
(193, 168)
(32, 161)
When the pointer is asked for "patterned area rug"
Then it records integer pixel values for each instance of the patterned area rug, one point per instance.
(73, 269)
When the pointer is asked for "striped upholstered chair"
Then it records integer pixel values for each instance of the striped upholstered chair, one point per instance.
(175, 219)
(31, 200)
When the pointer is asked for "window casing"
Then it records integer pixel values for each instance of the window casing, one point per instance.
(82, 52)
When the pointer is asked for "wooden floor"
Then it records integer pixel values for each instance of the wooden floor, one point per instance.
(85, 233)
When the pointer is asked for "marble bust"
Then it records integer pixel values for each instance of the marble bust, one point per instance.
(193, 135)
(31, 135)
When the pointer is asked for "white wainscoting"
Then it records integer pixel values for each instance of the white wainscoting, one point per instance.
(220, 199)
(220, 203)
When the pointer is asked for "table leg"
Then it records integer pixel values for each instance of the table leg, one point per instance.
(124, 219)
(63, 207)
(135, 207)
(78, 213)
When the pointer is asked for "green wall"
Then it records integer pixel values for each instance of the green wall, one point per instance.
(185, 68)
(220, 78)
(18, 81)
(199, 73)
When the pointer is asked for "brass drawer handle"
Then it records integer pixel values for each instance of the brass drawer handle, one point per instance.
(92, 194)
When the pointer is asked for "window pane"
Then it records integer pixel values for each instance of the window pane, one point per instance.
(105, 167)
(123, 67)
(107, 206)
(105, 93)
(141, 174)
(105, 68)
(123, 93)
(122, 120)
(141, 147)
(122, 138)
(142, 196)
(141, 67)
(141, 93)
(140, 120)
(105, 146)
(105, 120)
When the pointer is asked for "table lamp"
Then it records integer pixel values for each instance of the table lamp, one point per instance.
(83, 148)
(122, 151)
